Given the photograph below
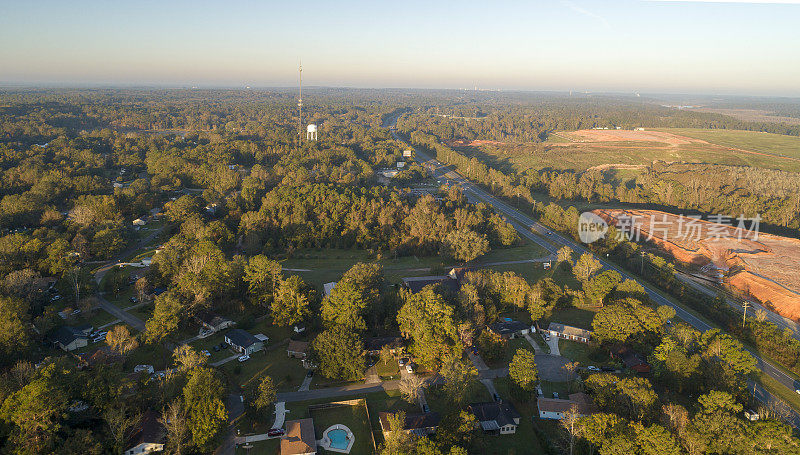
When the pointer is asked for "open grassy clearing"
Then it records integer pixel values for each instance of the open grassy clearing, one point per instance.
(319, 266)
(352, 416)
(754, 141)
(735, 148)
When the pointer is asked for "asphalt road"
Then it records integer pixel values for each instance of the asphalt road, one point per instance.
(552, 241)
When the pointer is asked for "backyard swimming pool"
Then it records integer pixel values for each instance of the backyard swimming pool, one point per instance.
(339, 439)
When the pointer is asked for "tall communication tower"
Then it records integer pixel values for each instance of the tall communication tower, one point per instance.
(300, 107)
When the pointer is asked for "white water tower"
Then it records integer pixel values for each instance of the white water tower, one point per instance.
(311, 132)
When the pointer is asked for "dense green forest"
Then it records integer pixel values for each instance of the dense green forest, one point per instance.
(216, 188)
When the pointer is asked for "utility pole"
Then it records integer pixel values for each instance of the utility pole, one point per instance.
(300, 107)
(745, 306)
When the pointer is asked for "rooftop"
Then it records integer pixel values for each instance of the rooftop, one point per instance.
(412, 421)
(583, 404)
(569, 330)
(503, 413)
(66, 334)
(299, 438)
(416, 283)
(507, 327)
(241, 338)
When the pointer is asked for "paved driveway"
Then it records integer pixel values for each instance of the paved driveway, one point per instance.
(553, 344)
(551, 367)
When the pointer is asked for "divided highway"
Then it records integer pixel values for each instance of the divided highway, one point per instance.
(552, 241)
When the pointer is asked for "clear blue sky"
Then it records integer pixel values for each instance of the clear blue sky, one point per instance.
(612, 45)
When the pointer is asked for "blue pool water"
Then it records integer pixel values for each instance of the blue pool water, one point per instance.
(338, 439)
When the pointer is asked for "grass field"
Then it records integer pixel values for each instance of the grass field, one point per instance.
(319, 266)
(753, 141)
(729, 147)
(354, 417)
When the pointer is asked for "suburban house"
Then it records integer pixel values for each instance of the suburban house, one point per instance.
(421, 424)
(569, 333)
(148, 436)
(297, 349)
(70, 338)
(508, 329)
(496, 417)
(632, 359)
(416, 283)
(299, 438)
(243, 342)
(555, 408)
(376, 344)
(213, 322)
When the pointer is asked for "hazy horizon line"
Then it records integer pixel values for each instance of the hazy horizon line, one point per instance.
(175, 86)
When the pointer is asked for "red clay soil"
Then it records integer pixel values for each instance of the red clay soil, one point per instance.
(475, 143)
(764, 267)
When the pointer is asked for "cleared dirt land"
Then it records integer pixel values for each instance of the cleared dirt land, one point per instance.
(765, 267)
(585, 149)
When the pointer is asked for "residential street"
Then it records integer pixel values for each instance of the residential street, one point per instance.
(552, 241)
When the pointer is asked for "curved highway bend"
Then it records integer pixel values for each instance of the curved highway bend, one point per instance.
(525, 225)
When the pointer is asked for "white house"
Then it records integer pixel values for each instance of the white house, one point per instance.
(555, 408)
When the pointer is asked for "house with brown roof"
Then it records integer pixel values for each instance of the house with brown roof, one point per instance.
(421, 424)
(299, 438)
(374, 345)
(212, 322)
(632, 359)
(568, 332)
(148, 436)
(555, 408)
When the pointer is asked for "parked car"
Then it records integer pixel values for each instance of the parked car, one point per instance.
(223, 345)
(609, 369)
(496, 397)
(426, 408)
(134, 300)
(216, 348)
(275, 432)
(244, 358)
(402, 361)
(310, 373)
(409, 368)
(206, 353)
(592, 368)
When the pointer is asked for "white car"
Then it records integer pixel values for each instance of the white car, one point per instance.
(140, 368)
(206, 353)
(592, 368)
(244, 358)
(409, 369)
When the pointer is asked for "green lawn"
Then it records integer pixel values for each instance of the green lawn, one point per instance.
(754, 141)
(287, 372)
(354, 417)
(584, 354)
(524, 441)
(327, 265)
(721, 149)
(268, 447)
(575, 316)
